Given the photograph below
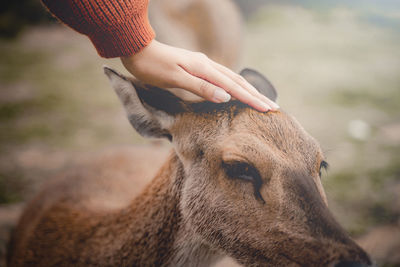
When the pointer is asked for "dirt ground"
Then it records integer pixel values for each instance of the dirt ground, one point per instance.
(56, 109)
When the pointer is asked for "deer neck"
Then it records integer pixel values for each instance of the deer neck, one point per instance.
(152, 229)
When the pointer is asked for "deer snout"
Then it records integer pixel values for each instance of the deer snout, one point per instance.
(352, 264)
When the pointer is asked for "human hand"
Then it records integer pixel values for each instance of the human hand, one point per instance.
(170, 67)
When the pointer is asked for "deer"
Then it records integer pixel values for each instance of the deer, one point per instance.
(237, 182)
(200, 25)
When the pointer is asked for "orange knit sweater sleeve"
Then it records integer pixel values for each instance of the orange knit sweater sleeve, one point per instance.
(116, 27)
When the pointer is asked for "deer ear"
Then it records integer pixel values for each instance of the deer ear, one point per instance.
(150, 110)
(260, 82)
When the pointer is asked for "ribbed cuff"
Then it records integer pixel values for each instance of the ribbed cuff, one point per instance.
(124, 39)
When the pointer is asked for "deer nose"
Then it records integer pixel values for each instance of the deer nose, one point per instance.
(351, 264)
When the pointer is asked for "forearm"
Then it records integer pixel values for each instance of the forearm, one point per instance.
(116, 28)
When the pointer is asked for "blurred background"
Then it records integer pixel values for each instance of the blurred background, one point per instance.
(335, 64)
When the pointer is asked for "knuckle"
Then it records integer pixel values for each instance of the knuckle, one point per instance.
(204, 88)
(201, 63)
(201, 56)
(174, 79)
(240, 78)
(201, 67)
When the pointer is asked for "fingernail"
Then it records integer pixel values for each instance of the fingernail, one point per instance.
(221, 96)
(262, 106)
(271, 103)
(275, 105)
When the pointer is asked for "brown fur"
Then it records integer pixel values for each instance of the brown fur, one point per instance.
(200, 25)
(192, 213)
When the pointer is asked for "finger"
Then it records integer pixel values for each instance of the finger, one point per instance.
(235, 77)
(269, 101)
(202, 88)
(213, 76)
(245, 84)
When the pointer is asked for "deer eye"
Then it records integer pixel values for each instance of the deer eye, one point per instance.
(323, 165)
(246, 172)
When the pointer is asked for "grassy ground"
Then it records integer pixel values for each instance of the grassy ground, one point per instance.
(333, 70)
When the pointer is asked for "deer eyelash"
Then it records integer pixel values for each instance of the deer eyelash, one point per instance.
(323, 165)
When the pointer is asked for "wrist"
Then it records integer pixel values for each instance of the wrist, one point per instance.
(133, 62)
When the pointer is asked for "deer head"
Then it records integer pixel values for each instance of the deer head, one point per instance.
(252, 186)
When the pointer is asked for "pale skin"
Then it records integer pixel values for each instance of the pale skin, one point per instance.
(170, 67)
